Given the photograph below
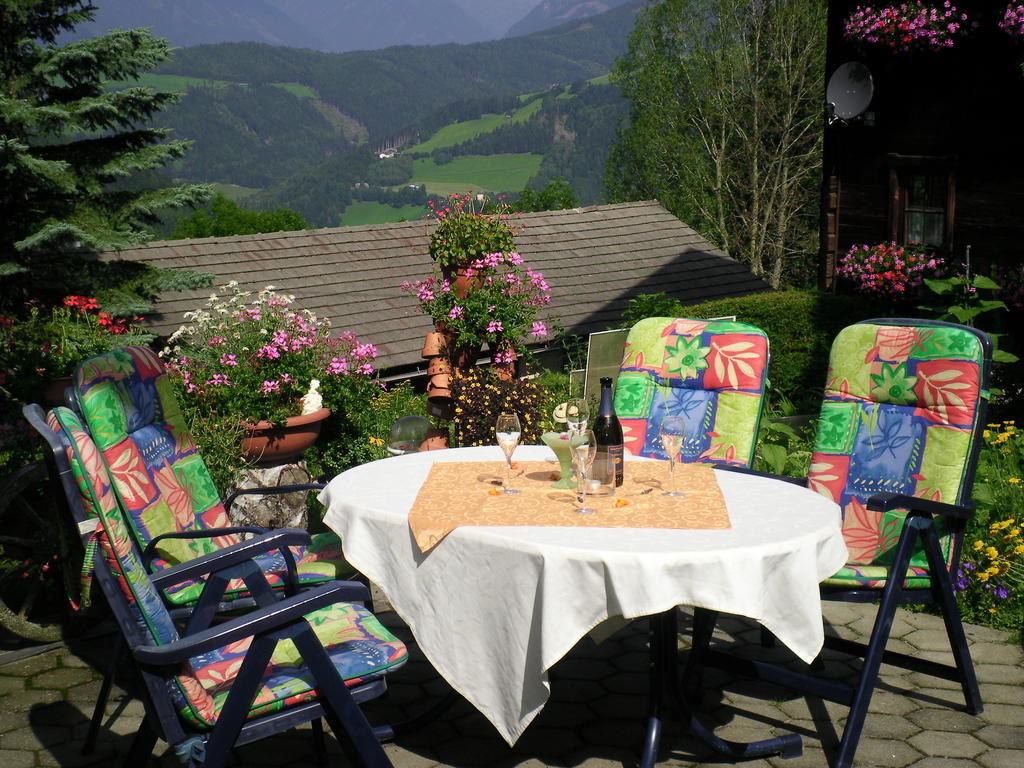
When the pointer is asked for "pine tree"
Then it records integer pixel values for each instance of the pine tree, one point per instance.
(71, 142)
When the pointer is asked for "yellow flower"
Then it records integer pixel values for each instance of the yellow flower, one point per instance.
(376, 441)
(986, 434)
(978, 545)
(1013, 480)
(991, 552)
(982, 575)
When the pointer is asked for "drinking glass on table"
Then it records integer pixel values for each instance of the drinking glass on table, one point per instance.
(672, 433)
(583, 447)
(577, 412)
(507, 431)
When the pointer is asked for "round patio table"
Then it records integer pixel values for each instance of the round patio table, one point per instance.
(494, 608)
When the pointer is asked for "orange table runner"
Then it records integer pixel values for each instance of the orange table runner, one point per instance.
(468, 493)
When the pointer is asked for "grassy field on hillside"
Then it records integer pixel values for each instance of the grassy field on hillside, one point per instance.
(456, 133)
(479, 173)
(233, 191)
(298, 89)
(180, 83)
(358, 214)
(172, 83)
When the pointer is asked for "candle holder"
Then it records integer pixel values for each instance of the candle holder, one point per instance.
(558, 442)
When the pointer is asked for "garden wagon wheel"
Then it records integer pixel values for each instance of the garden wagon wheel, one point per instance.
(38, 562)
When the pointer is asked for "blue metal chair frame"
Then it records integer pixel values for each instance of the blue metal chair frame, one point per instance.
(275, 620)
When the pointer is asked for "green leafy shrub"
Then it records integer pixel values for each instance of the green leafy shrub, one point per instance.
(357, 432)
(800, 326)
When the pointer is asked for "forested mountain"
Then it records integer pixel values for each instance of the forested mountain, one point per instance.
(301, 129)
(388, 89)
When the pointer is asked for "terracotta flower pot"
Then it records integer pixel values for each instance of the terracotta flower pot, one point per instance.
(505, 368)
(438, 365)
(465, 283)
(268, 444)
(435, 440)
(439, 388)
(433, 344)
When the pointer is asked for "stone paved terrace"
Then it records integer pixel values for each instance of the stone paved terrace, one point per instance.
(595, 714)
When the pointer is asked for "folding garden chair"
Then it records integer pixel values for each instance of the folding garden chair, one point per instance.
(896, 447)
(171, 506)
(713, 374)
(211, 687)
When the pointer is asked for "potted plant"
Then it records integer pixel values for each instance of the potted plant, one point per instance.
(916, 26)
(464, 233)
(501, 310)
(276, 367)
(47, 345)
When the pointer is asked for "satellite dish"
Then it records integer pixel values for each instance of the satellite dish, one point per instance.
(849, 91)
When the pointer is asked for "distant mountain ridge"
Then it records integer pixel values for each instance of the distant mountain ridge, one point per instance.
(551, 13)
(355, 25)
(337, 26)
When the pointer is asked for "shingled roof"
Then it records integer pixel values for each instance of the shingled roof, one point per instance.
(595, 259)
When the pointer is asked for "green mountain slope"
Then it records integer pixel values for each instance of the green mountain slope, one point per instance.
(387, 89)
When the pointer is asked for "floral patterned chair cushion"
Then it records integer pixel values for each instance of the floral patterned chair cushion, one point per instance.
(358, 645)
(711, 372)
(160, 478)
(901, 405)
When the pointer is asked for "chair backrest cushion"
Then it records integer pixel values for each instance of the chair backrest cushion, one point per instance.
(120, 553)
(903, 406)
(711, 372)
(160, 478)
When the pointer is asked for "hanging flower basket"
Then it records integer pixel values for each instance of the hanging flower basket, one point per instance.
(917, 26)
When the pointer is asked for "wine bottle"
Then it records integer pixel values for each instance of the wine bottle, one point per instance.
(608, 434)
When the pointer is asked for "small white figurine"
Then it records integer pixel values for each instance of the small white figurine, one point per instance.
(312, 401)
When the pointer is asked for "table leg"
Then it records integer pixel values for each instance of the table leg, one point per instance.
(664, 688)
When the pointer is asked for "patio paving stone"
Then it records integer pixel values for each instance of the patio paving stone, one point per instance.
(595, 716)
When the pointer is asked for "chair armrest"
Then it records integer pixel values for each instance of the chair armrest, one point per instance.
(758, 473)
(269, 618)
(150, 551)
(270, 491)
(881, 502)
(280, 538)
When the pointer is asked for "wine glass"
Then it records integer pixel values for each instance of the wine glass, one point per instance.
(507, 431)
(577, 412)
(672, 433)
(584, 448)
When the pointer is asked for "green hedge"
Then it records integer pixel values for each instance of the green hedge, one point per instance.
(800, 327)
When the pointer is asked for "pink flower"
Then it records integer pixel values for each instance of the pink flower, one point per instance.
(494, 326)
(539, 329)
(228, 360)
(455, 313)
(269, 387)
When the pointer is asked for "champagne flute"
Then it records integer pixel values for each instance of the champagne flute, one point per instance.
(577, 412)
(672, 432)
(507, 432)
(584, 448)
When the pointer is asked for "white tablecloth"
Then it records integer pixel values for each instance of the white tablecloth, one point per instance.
(493, 608)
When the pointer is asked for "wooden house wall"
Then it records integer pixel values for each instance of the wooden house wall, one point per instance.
(960, 104)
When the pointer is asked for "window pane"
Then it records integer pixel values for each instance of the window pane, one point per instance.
(915, 227)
